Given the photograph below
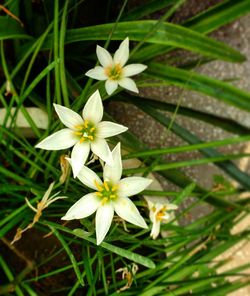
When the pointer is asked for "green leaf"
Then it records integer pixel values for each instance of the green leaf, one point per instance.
(194, 81)
(11, 29)
(166, 34)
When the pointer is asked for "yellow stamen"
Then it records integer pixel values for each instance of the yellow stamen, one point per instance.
(78, 127)
(78, 133)
(104, 200)
(92, 129)
(98, 186)
(86, 123)
(98, 194)
(114, 188)
(91, 138)
(82, 139)
(112, 196)
(106, 186)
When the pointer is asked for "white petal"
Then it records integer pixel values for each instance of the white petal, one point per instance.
(113, 172)
(171, 207)
(104, 57)
(68, 117)
(122, 54)
(62, 139)
(103, 220)
(97, 73)
(132, 185)
(111, 86)
(133, 69)
(89, 178)
(84, 207)
(106, 129)
(93, 109)
(155, 229)
(129, 84)
(101, 149)
(79, 156)
(125, 208)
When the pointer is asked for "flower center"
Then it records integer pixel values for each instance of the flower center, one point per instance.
(114, 72)
(86, 131)
(161, 214)
(106, 192)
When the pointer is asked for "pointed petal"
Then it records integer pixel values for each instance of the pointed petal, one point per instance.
(132, 185)
(84, 207)
(104, 57)
(155, 231)
(79, 156)
(125, 208)
(93, 109)
(62, 139)
(97, 73)
(68, 117)
(103, 220)
(89, 178)
(122, 54)
(171, 206)
(101, 149)
(108, 129)
(111, 86)
(133, 69)
(129, 84)
(113, 172)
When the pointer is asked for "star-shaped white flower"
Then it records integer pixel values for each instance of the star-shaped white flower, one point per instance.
(114, 71)
(111, 195)
(84, 133)
(159, 212)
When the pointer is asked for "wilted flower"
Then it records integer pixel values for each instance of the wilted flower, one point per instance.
(114, 71)
(84, 133)
(159, 212)
(110, 196)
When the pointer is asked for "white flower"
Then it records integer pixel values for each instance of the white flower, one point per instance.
(110, 196)
(114, 71)
(84, 133)
(159, 212)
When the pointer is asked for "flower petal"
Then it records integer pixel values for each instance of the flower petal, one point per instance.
(129, 84)
(84, 207)
(155, 231)
(101, 149)
(62, 139)
(89, 178)
(122, 54)
(126, 209)
(104, 57)
(171, 206)
(108, 129)
(132, 185)
(113, 172)
(97, 73)
(93, 109)
(103, 220)
(68, 117)
(111, 86)
(133, 69)
(79, 156)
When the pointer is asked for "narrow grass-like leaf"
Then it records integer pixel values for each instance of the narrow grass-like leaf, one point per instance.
(166, 34)
(194, 81)
(11, 29)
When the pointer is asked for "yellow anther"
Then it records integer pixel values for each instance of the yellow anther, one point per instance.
(91, 138)
(82, 139)
(78, 127)
(98, 194)
(106, 186)
(92, 129)
(112, 196)
(86, 123)
(114, 188)
(78, 133)
(104, 200)
(98, 186)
